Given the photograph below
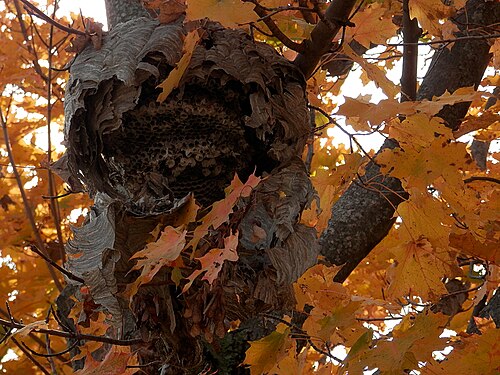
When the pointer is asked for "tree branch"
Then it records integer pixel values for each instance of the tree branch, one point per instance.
(320, 40)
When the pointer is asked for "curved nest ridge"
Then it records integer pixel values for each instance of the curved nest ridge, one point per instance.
(239, 107)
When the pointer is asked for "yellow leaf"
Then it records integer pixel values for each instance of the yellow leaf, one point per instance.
(414, 340)
(477, 354)
(420, 168)
(229, 13)
(375, 73)
(264, 353)
(429, 13)
(175, 76)
(316, 288)
(372, 26)
(419, 269)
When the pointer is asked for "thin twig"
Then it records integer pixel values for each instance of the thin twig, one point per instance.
(30, 357)
(74, 335)
(49, 354)
(55, 265)
(53, 203)
(481, 178)
(441, 41)
(306, 336)
(33, 336)
(43, 16)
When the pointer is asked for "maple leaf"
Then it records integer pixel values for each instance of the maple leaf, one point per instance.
(264, 353)
(229, 13)
(172, 81)
(419, 269)
(414, 340)
(476, 354)
(429, 13)
(369, 114)
(169, 10)
(419, 168)
(375, 73)
(329, 184)
(221, 210)
(338, 325)
(469, 244)
(114, 363)
(495, 50)
(162, 252)
(310, 286)
(372, 26)
(212, 262)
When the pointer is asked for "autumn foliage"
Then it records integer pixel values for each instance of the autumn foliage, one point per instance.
(415, 303)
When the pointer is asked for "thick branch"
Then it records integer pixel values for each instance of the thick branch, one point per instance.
(320, 40)
(363, 216)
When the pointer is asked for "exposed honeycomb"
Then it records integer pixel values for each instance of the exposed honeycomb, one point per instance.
(191, 145)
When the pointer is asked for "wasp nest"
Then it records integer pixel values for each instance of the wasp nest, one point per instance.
(239, 107)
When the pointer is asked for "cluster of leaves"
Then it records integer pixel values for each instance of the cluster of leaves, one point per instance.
(446, 232)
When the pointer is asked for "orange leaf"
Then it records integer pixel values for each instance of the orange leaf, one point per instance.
(221, 210)
(212, 262)
(372, 26)
(229, 13)
(175, 76)
(429, 13)
(170, 10)
(114, 363)
(477, 354)
(157, 254)
(415, 338)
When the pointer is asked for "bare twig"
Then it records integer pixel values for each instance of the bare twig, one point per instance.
(442, 41)
(305, 335)
(49, 354)
(55, 265)
(74, 335)
(37, 12)
(481, 178)
(53, 204)
(30, 357)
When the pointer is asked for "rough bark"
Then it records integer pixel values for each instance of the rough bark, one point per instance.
(320, 40)
(123, 10)
(362, 217)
